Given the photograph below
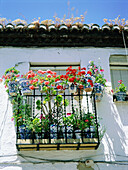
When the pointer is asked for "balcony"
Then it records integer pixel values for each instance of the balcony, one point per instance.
(67, 121)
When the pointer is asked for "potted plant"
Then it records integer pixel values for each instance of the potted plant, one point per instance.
(11, 82)
(45, 124)
(26, 81)
(98, 79)
(120, 92)
(83, 124)
(21, 113)
(34, 125)
(51, 117)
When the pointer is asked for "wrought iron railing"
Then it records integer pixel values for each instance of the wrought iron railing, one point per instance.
(62, 126)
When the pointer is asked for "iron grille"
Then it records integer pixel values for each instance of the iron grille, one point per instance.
(60, 135)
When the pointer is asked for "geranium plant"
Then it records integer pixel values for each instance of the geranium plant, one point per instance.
(97, 72)
(78, 121)
(10, 74)
(121, 87)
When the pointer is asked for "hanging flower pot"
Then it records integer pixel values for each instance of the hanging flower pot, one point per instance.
(90, 132)
(98, 88)
(120, 96)
(53, 131)
(98, 98)
(25, 90)
(78, 95)
(72, 88)
(24, 132)
(88, 89)
(69, 131)
(89, 83)
(13, 88)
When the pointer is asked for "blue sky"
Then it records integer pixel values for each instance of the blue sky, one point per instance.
(97, 10)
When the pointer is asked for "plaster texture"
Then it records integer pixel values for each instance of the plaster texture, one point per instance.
(114, 144)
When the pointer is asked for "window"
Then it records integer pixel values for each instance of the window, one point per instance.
(118, 69)
(58, 67)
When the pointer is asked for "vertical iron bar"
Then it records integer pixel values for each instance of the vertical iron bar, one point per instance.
(96, 117)
(72, 109)
(57, 133)
(33, 104)
(80, 95)
(50, 118)
(72, 103)
(87, 96)
(41, 114)
(65, 117)
(87, 103)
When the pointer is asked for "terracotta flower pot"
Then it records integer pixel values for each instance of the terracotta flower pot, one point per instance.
(88, 89)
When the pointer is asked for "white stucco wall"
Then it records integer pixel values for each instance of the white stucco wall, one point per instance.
(114, 145)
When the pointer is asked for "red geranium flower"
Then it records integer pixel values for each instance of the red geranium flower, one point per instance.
(40, 71)
(89, 72)
(79, 73)
(57, 80)
(59, 87)
(81, 86)
(31, 87)
(49, 76)
(68, 114)
(46, 83)
(112, 91)
(83, 72)
(90, 81)
(83, 68)
(91, 84)
(79, 68)
(69, 68)
(86, 120)
(29, 76)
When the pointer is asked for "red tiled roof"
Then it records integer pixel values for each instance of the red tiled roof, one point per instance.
(73, 36)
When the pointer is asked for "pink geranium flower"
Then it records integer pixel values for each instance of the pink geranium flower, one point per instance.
(12, 118)
(96, 70)
(120, 81)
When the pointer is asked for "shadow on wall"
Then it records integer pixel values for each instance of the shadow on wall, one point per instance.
(114, 140)
(122, 108)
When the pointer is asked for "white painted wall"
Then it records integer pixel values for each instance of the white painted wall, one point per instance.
(114, 145)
